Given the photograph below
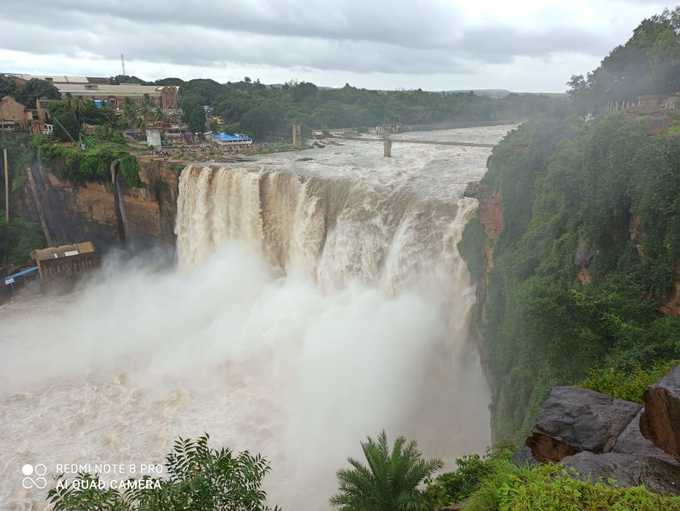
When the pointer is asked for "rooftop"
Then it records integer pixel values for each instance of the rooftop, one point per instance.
(99, 89)
(86, 247)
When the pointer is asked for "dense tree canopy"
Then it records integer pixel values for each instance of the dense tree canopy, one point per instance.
(26, 93)
(649, 63)
(268, 111)
(601, 196)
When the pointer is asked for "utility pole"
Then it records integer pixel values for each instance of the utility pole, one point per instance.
(4, 157)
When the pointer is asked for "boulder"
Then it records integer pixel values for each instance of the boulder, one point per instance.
(573, 419)
(631, 441)
(472, 189)
(660, 422)
(622, 469)
(625, 470)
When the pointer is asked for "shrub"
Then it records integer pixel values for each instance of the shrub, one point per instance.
(91, 164)
(456, 486)
(627, 383)
(199, 479)
(553, 488)
(18, 239)
(389, 482)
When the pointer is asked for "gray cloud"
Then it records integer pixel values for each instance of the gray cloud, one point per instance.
(357, 36)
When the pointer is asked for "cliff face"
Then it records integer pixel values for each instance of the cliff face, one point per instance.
(73, 213)
(575, 260)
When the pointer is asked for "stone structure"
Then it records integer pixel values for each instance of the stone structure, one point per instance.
(65, 261)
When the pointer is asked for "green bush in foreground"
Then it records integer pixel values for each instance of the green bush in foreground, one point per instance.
(494, 483)
(199, 479)
(390, 480)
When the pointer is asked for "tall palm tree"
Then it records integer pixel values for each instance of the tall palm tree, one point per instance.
(389, 482)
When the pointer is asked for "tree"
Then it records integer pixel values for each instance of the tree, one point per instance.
(389, 482)
(199, 479)
(35, 89)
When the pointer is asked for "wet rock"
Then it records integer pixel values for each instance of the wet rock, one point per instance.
(623, 469)
(658, 475)
(472, 189)
(660, 422)
(523, 457)
(572, 420)
(631, 441)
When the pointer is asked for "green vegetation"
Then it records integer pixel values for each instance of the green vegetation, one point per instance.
(18, 239)
(457, 486)
(91, 164)
(587, 258)
(629, 383)
(198, 478)
(389, 482)
(21, 236)
(551, 488)
(20, 152)
(494, 483)
(649, 63)
(601, 196)
(267, 112)
(27, 93)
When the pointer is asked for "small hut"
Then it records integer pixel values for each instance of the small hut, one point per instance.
(66, 261)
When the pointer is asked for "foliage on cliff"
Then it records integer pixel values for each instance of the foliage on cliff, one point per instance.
(267, 111)
(91, 164)
(599, 200)
(648, 63)
(18, 239)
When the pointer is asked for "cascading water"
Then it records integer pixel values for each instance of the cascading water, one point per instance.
(317, 300)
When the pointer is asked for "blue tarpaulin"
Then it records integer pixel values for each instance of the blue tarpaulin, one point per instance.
(221, 136)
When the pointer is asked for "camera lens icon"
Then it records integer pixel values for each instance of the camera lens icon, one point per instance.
(34, 476)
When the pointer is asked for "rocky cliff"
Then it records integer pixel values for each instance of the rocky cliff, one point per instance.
(575, 252)
(70, 213)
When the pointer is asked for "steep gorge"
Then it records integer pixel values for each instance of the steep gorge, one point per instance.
(574, 251)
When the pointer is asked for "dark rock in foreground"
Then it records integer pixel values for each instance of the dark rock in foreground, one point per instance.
(609, 440)
(660, 422)
(658, 475)
(573, 419)
(631, 441)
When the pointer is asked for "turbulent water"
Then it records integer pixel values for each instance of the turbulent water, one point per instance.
(319, 297)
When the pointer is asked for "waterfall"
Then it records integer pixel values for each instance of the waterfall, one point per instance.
(315, 301)
(333, 229)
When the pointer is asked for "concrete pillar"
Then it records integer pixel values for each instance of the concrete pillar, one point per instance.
(388, 148)
(297, 134)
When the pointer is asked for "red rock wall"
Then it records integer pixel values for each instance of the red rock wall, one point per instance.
(87, 212)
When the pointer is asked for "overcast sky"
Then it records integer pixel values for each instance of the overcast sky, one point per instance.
(522, 45)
